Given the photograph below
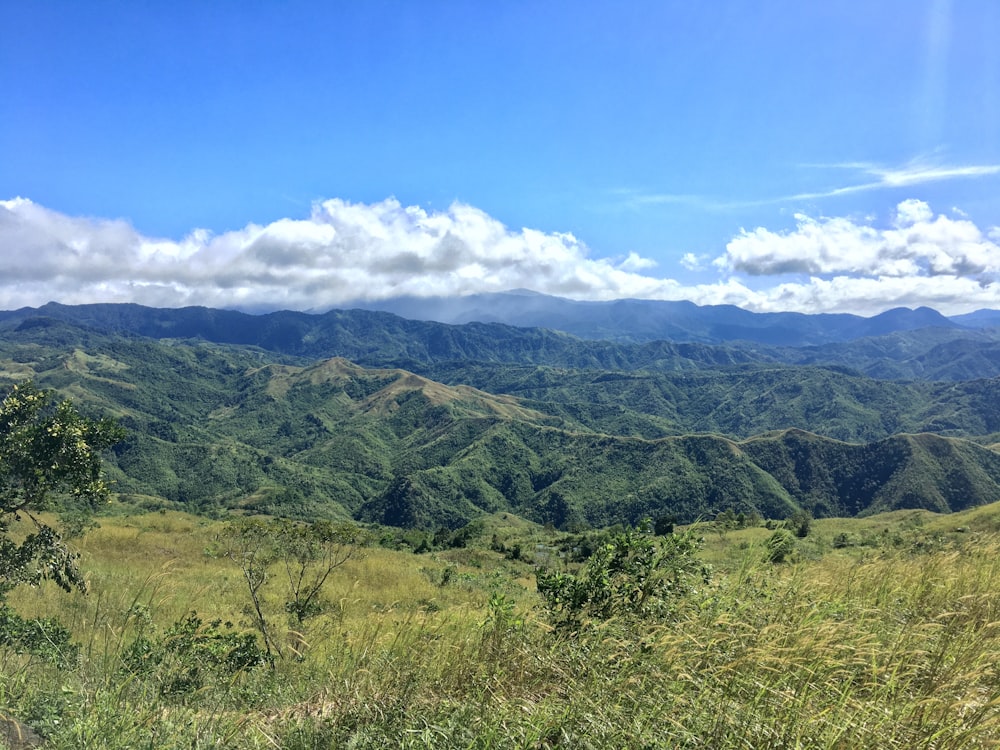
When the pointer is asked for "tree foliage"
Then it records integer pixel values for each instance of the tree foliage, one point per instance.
(633, 576)
(50, 459)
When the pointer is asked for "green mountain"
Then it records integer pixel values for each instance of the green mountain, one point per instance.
(742, 401)
(831, 478)
(215, 427)
(626, 320)
(639, 320)
(899, 344)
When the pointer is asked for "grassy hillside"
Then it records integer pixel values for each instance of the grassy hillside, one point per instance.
(889, 642)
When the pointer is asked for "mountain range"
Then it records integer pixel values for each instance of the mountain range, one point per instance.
(369, 415)
(633, 320)
(961, 348)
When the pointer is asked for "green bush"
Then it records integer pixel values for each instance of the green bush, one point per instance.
(44, 637)
(799, 523)
(190, 654)
(633, 576)
(780, 546)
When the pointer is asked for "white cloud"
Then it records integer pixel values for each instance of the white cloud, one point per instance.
(693, 262)
(911, 212)
(342, 252)
(918, 245)
(350, 252)
(869, 296)
(635, 262)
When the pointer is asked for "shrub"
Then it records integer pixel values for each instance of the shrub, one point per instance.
(192, 653)
(43, 637)
(799, 523)
(633, 576)
(780, 546)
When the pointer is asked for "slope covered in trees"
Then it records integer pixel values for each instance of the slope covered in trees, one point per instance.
(899, 344)
(216, 426)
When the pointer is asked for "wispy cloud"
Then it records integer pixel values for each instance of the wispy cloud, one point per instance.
(869, 177)
(886, 178)
(638, 200)
(630, 198)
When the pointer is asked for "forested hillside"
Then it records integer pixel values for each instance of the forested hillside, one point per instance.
(492, 418)
(899, 344)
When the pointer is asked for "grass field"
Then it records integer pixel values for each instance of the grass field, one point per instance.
(879, 633)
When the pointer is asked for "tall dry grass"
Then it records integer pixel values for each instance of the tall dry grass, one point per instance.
(885, 649)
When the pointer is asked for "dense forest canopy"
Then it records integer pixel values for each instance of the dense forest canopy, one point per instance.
(366, 415)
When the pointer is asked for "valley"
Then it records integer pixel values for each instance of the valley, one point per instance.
(358, 530)
(371, 417)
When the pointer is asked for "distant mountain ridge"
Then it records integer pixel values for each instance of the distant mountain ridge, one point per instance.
(636, 320)
(905, 349)
(624, 320)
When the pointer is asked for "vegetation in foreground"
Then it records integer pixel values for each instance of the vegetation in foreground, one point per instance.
(251, 632)
(879, 632)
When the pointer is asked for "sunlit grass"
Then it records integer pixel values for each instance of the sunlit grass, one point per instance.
(889, 646)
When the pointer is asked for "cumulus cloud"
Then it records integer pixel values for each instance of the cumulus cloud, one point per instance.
(918, 244)
(693, 262)
(345, 253)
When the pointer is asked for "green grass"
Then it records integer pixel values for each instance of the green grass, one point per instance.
(891, 644)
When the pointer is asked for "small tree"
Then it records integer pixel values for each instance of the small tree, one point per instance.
(50, 459)
(249, 543)
(633, 576)
(664, 525)
(799, 523)
(308, 553)
(47, 452)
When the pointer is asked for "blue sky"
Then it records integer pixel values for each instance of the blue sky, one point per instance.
(778, 155)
